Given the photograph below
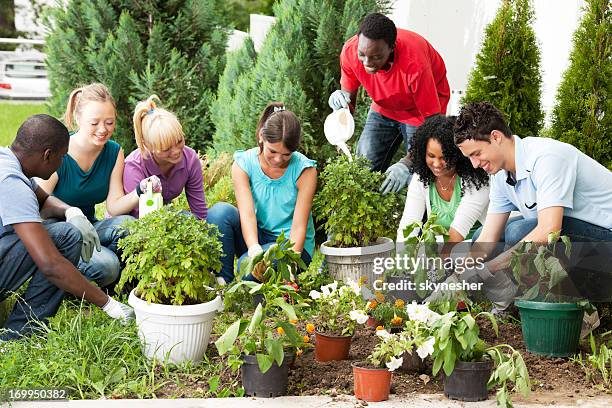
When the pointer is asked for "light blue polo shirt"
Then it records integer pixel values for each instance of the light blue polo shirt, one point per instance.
(550, 173)
(18, 202)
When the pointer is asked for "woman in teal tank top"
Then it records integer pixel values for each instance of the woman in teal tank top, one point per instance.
(274, 186)
(444, 182)
(92, 172)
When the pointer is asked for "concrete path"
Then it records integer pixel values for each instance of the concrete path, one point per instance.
(341, 401)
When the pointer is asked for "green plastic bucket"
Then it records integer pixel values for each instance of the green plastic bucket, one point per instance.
(550, 329)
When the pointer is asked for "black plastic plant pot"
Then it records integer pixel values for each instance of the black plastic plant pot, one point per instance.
(468, 381)
(272, 383)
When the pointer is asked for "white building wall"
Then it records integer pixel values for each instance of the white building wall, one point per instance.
(456, 29)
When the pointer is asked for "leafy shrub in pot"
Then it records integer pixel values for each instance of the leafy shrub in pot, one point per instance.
(174, 257)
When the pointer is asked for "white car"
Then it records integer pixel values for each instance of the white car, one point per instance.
(24, 77)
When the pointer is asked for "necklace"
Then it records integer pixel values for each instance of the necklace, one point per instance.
(452, 180)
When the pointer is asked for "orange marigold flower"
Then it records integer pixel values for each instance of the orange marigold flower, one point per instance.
(399, 303)
(293, 321)
(310, 328)
(379, 296)
(306, 339)
(396, 321)
(280, 330)
(298, 352)
(378, 328)
(372, 304)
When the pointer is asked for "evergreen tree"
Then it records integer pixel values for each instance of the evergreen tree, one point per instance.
(507, 71)
(583, 113)
(174, 49)
(298, 64)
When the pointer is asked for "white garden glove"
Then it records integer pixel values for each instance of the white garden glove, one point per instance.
(118, 310)
(398, 176)
(339, 99)
(254, 250)
(90, 237)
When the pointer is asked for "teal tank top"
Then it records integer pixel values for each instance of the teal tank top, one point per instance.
(446, 209)
(275, 199)
(86, 189)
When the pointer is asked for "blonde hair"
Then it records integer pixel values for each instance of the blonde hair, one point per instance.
(155, 128)
(79, 97)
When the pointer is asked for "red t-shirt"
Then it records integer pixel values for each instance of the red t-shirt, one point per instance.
(413, 88)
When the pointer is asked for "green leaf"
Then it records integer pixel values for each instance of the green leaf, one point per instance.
(264, 361)
(256, 319)
(532, 293)
(225, 342)
(276, 350)
(287, 308)
(449, 359)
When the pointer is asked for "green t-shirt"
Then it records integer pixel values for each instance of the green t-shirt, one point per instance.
(446, 210)
(83, 189)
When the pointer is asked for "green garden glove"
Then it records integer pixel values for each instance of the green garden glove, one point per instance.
(90, 237)
(398, 177)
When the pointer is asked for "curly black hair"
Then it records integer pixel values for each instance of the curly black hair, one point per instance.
(377, 26)
(477, 120)
(440, 128)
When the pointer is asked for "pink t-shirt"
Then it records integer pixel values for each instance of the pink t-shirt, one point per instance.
(415, 86)
(185, 175)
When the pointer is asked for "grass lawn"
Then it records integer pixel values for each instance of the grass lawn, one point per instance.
(12, 116)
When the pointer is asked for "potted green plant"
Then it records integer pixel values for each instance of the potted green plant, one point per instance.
(372, 378)
(338, 307)
(470, 367)
(390, 314)
(174, 257)
(550, 320)
(265, 344)
(356, 217)
(420, 241)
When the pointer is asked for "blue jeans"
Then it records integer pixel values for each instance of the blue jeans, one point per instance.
(577, 231)
(104, 266)
(41, 299)
(226, 217)
(380, 139)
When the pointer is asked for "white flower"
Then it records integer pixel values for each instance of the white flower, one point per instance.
(383, 334)
(421, 313)
(358, 316)
(427, 348)
(314, 294)
(395, 363)
(329, 289)
(354, 286)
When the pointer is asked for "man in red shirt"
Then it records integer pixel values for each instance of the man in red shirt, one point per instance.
(406, 79)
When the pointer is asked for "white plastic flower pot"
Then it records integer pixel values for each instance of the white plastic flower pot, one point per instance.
(353, 263)
(174, 333)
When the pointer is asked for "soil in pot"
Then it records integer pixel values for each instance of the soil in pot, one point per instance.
(331, 348)
(468, 381)
(272, 383)
(371, 384)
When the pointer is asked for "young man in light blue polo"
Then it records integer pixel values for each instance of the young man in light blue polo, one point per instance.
(552, 184)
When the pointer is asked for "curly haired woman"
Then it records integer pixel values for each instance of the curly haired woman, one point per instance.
(444, 182)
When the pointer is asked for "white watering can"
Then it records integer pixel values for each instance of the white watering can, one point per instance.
(339, 127)
(149, 201)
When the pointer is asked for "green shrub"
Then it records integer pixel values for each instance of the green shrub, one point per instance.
(507, 71)
(583, 113)
(173, 255)
(173, 49)
(298, 64)
(354, 212)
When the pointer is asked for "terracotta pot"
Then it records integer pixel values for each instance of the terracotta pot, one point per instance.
(372, 322)
(372, 384)
(331, 348)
